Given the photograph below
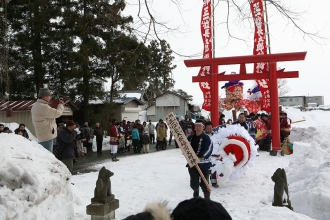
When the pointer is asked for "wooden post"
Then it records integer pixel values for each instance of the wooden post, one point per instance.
(280, 108)
(234, 115)
(184, 145)
(297, 121)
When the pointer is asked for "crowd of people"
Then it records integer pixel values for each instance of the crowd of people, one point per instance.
(72, 140)
(19, 131)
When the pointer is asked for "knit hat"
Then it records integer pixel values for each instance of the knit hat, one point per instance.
(70, 123)
(44, 92)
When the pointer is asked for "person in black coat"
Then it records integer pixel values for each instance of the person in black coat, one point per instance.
(98, 132)
(22, 129)
(66, 137)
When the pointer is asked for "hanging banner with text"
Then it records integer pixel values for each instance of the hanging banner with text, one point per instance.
(260, 47)
(206, 32)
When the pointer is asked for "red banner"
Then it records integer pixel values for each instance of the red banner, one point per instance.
(260, 47)
(206, 32)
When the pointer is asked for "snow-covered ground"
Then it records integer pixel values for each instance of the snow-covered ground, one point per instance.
(161, 176)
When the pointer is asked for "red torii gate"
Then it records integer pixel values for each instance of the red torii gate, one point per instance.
(272, 75)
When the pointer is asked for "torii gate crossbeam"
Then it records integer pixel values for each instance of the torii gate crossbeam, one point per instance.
(272, 75)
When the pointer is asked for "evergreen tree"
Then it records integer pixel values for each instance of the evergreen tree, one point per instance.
(184, 94)
(160, 69)
(127, 63)
(30, 23)
(96, 23)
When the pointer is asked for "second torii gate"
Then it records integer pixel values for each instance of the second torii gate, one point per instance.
(272, 75)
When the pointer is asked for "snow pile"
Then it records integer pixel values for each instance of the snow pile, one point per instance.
(272, 212)
(308, 175)
(33, 183)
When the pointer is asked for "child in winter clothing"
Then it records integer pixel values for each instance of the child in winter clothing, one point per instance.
(145, 141)
(136, 139)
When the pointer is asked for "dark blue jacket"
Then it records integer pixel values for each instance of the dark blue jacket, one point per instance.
(204, 150)
(65, 142)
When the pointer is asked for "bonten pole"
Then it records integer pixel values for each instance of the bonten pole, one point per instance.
(184, 145)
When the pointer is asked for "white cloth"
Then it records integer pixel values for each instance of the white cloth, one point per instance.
(113, 149)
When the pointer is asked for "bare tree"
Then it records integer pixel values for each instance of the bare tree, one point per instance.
(150, 26)
(283, 87)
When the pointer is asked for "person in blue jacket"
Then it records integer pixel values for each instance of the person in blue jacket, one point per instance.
(203, 147)
(136, 139)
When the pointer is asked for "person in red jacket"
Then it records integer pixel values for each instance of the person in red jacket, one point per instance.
(285, 125)
(265, 144)
(114, 135)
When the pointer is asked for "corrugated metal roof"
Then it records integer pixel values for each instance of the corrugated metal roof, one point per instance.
(26, 105)
(17, 105)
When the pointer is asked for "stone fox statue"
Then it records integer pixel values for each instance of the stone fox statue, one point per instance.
(103, 184)
(281, 186)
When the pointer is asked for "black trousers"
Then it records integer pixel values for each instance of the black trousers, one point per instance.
(136, 145)
(196, 180)
(283, 136)
(152, 138)
(99, 145)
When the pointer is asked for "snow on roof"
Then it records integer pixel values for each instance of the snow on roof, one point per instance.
(130, 95)
(127, 100)
(96, 101)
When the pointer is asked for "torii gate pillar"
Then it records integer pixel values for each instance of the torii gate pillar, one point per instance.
(272, 75)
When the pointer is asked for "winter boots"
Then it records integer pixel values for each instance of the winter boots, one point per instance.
(196, 193)
(114, 157)
(207, 195)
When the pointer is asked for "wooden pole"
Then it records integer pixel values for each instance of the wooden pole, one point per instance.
(298, 121)
(234, 115)
(267, 26)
